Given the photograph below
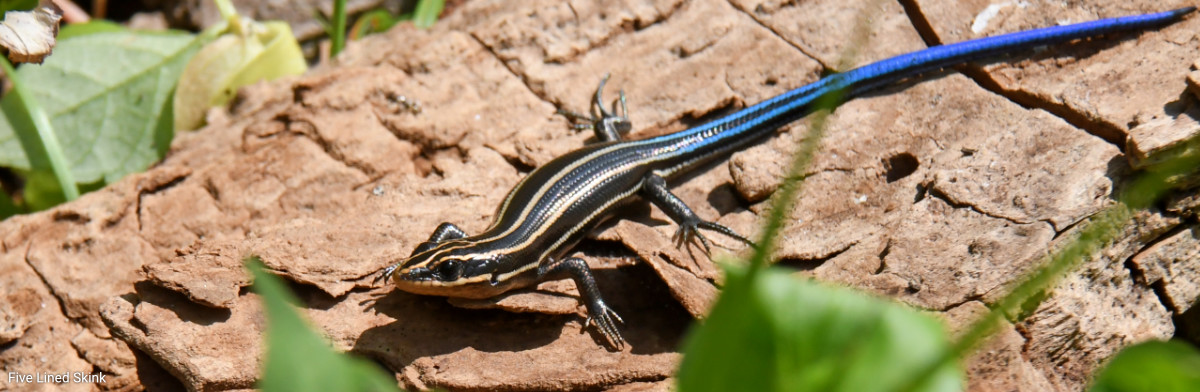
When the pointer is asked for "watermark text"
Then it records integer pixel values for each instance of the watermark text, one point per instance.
(56, 378)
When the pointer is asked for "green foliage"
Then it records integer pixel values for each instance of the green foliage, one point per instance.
(339, 27)
(376, 21)
(110, 96)
(777, 332)
(379, 20)
(91, 27)
(42, 191)
(106, 95)
(427, 12)
(17, 5)
(299, 359)
(39, 145)
(1170, 366)
(7, 208)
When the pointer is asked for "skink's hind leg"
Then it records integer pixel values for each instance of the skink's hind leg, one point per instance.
(654, 188)
(609, 126)
(444, 231)
(599, 313)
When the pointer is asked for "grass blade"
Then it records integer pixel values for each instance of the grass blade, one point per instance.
(37, 137)
(338, 35)
(427, 13)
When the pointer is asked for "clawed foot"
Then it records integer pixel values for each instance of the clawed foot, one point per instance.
(386, 274)
(690, 231)
(600, 315)
(608, 126)
(579, 121)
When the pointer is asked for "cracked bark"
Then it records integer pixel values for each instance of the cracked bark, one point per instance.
(937, 193)
(304, 197)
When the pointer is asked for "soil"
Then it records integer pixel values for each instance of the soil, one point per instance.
(939, 193)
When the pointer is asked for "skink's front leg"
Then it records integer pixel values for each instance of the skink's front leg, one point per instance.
(654, 188)
(598, 312)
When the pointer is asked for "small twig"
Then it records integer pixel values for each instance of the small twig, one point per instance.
(71, 12)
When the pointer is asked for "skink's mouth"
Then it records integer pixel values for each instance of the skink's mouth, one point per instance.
(417, 281)
(419, 276)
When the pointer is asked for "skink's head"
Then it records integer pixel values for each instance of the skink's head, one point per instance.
(452, 268)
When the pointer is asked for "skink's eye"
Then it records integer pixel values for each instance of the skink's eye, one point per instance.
(449, 270)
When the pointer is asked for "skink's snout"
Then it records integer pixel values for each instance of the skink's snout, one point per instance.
(419, 274)
(401, 274)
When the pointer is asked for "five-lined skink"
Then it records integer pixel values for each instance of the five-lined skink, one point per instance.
(557, 204)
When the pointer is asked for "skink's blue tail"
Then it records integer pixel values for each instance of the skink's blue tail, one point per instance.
(745, 126)
(793, 104)
(884, 72)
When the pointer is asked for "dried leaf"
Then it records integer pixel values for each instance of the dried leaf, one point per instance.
(29, 35)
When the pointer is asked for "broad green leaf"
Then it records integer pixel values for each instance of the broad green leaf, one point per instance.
(95, 26)
(778, 332)
(1152, 366)
(427, 12)
(299, 359)
(37, 142)
(105, 94)
(261, 51)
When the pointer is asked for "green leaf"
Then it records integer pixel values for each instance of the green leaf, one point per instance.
(7, 206)
(37, 141)
(95, 26)
(262, 51)
(777, 332)
(105, 94)
(338, 37)
(17, 5)
(427, 13)
(374, 22)
(298, 359)
(1152, 366)
(42, 191)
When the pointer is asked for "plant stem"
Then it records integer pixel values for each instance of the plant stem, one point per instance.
(40, 143)
(230, 15)
(339, 28)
